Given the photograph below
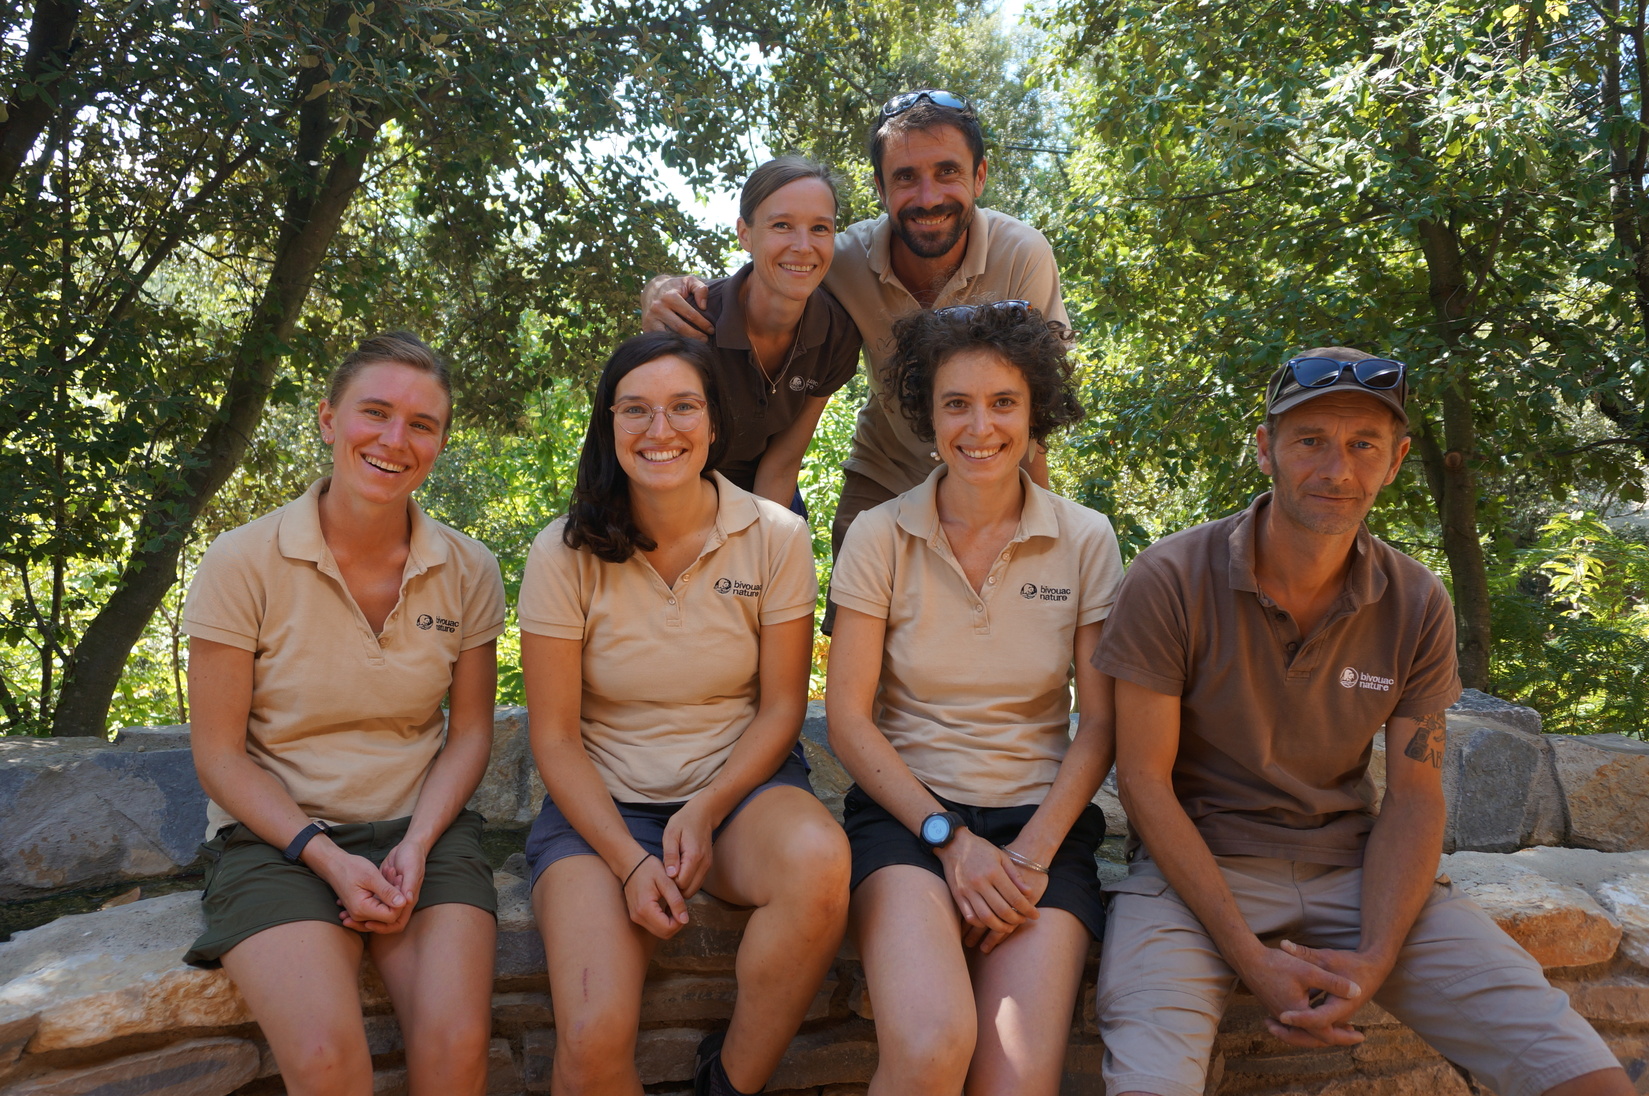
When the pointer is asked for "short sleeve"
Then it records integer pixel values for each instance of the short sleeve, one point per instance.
(1101, 569)
(551, 603)
(791, 590)
(225, 602)
(483, 598)
(862, 579)
(1039, 279)
(1144, 639)
(841, 351)
(1433, 682)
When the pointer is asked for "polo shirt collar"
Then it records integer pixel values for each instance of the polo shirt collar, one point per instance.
(973, 259)
(300, 533)
(731, 333)
(919, 510)
(735, 507)
(1364, 585)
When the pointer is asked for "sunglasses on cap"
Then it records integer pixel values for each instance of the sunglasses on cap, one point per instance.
(968, 311)
(1379, 374)
(901, 103)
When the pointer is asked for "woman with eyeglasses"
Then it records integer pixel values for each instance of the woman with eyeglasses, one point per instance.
(781, 345)
(965, 606)
(325, 639)
(666, 629)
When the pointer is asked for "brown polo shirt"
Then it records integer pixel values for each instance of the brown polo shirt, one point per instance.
(826, 354)
(671, 674)
(1006, 259)
(975, 685)
(349, 720)
(1275, 726)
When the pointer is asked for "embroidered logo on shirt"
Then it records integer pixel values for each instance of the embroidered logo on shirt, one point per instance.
(1353, 678)
(1028, 591)
(1031, 591)
(739, 587)
(797, 383)
(425, 622)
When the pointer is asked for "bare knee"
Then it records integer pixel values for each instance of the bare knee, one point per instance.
(326, 1064)
(930, 1056)
(595, 1051)
(816, 865)
(454, 1046)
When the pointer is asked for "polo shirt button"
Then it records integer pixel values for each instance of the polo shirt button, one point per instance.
(991, 580)
(672, 601)
(1282, 616)
(1292, 647)
(1008, 554)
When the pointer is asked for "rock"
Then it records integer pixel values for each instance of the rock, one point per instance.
(198, 1067)
(1505, 792)
(513, 1012)
(537, 1057)
(76, 812)
(1627, 897)
(667, 1054)
(1494, 710)
(1603, 778)
(845, 1053)
(1617, 1000)
(172, 736)
(520, 959)
(510, 791)
(1081, 1076)
(503, 1075)
(1557, 923)
(124, 898)
(710, 940)
(389, 1082)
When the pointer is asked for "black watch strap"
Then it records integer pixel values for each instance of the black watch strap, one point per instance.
(294, 851)
(953, 818)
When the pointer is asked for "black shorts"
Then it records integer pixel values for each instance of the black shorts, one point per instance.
(879, 840)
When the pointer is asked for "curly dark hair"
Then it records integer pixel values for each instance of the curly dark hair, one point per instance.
(599, 517)
(1036, 347)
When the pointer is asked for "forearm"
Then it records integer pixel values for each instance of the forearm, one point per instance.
(1080, 773)
(451, 782)
(777, 473)
(252, 796)
(878, 769)
(576, 786)
(1399, 868)
(1182, 855)
(757, 755)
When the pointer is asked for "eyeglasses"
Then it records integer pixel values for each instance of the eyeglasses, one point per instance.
(968, 311)
(637, 417)
(1380, 374)
(901, 103)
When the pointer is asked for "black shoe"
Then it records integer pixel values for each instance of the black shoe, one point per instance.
(704, 1062)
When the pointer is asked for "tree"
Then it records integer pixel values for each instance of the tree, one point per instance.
(1419, 179)
(200, 203)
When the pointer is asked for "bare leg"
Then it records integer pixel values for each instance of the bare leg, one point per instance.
(910, 938)
(439, 975)
(1603, 1082)
(598, 961)
(302, 983)
(786, 856)
(1025, 990)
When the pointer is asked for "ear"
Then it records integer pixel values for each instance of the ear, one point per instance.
(325, 416)
(744, 233)
(1262, 450)
(979, 178)
(1397, 460)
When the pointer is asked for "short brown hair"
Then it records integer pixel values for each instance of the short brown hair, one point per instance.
(400, 347)
(1038, 348)
(923, 116)
(777, 174)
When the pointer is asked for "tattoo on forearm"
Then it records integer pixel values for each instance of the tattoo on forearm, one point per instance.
(1429, 740)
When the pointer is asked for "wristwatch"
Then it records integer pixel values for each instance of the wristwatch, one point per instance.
(938, 829)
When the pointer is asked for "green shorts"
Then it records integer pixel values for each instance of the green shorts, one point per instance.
(251, 886)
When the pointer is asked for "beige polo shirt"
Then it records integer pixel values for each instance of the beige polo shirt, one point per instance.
(975, 686)
(1005, 259)
(671, 674)
(347, 719)
(1276, 727)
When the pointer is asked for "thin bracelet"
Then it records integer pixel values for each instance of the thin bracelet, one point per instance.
(1024, 861)
(633, 871)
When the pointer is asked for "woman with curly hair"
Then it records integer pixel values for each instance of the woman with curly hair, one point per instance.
(965, 605)
(666, 631)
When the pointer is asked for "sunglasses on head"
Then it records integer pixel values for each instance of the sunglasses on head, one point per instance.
(901, 103)
(968, 311)
(1381, 374)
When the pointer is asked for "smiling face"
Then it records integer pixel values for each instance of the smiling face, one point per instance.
(387, 428)
(929, 184)
(1328, 459)
(791, 238)
(981, 415)
(665, 456)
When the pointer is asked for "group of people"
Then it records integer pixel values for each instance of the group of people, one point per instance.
(1236, 676)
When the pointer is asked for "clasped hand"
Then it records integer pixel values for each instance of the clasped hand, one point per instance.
(378, 899)
(657, 891)
(1312, 993)
(993, 894)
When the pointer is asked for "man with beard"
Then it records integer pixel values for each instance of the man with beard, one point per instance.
(933, 248)
(1255, 659)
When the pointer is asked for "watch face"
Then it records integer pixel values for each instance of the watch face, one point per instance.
(936, 829)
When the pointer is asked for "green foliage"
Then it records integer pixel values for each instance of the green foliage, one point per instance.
(1572, 620)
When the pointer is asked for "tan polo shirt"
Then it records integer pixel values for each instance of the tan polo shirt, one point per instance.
(1005, 259)
(975, 686)
(671, 674)
(347, 719)
(1276, 727)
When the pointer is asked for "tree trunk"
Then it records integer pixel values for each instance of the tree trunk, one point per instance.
(1450, 459)
(315, 208)
(34, 100)
(1627, 152)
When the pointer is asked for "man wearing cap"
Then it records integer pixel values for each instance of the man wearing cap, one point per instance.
(932, 248)
(1255, 659)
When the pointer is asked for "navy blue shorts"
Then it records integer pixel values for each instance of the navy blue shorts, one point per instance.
(553, 837)
(879, 840)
